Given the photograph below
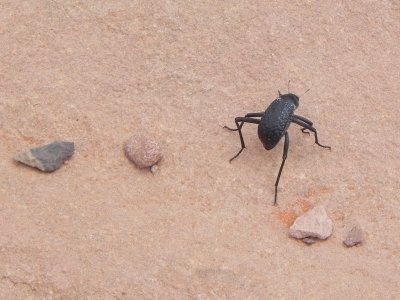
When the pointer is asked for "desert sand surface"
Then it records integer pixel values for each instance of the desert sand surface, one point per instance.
(97, 72)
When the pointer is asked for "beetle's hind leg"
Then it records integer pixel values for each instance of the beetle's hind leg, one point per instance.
(307, 126)
(257, 115)
(285, 152)
(243, 120)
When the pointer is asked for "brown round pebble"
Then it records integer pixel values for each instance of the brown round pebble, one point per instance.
(142, 151)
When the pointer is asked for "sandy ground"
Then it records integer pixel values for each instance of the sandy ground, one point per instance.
(95, 72)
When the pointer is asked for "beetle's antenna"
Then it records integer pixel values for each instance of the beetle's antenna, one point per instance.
(304, 93)
(288, 84)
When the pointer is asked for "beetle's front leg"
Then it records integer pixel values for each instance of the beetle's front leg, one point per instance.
(305, 120)
(309, 127)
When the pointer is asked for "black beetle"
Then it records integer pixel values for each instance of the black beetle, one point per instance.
(274, 124)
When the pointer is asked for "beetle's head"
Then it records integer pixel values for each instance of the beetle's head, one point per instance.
(290, 97)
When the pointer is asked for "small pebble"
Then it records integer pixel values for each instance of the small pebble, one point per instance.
(154, 169)
(354, 237)
(142, 151)
(309, 241)
(47, 158)
(313, 224)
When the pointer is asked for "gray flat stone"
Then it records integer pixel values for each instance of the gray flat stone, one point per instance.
(354, 237)
(313, 224)
(47, 158)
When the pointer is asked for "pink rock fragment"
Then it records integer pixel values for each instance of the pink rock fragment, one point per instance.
(313, 224)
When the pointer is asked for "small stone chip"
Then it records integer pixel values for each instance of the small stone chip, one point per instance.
(313, 224)
(154, 169)
(309, 241)
(142, 151)
(354, 237)
(47, 158)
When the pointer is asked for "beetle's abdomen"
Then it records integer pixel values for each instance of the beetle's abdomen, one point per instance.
(275, 122)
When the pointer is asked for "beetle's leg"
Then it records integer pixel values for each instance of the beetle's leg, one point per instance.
(259, 114)
(285, 152)
(304, 130)
(302, 119)
(242, 120)
(309, 127)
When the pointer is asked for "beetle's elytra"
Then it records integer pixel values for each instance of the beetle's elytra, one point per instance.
(273, 125)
